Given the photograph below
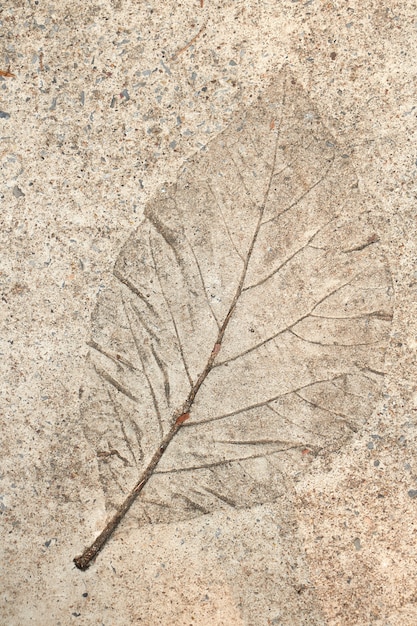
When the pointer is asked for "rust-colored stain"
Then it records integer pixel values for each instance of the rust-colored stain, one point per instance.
(182, 418)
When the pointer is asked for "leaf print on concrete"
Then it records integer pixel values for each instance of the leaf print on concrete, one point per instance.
(246, 322)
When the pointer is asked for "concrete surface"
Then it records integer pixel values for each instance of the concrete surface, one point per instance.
(106, 103)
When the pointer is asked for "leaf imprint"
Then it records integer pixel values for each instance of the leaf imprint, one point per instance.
(245, 325)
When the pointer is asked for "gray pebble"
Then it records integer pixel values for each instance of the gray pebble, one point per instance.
(18, 193)
(168, 71)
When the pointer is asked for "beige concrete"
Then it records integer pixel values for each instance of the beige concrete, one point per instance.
(106, 103)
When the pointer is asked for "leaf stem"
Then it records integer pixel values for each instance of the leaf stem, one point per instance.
(84, 561)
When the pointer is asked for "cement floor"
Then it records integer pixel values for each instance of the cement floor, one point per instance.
(100, 105)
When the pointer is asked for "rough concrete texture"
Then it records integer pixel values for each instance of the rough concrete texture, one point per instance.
(106, 103)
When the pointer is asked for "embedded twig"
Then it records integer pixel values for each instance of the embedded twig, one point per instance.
(190, 43)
